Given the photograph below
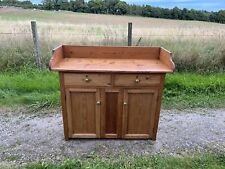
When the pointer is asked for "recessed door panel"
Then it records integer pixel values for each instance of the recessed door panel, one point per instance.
(111, 116)
(83, 113)
(139, 112)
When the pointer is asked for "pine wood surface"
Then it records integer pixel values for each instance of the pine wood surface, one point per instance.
(111, 92)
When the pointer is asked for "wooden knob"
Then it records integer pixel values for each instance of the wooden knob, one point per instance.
(124, 103)
(137, 81)
(98, 102)
(87, 79)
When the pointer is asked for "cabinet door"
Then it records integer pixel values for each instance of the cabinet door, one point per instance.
(111, 113)
(83, 108)
(139, 112)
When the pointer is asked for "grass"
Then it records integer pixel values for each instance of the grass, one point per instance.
(207, 161)
(197, 46)
(41, 88)
(29, 87)
(190, 90)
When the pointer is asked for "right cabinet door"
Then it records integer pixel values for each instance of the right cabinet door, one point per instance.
(139, 110)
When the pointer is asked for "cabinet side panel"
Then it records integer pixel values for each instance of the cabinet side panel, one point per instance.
(158, 106)
(63, 104)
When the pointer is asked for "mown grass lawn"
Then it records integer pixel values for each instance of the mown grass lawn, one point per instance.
(182, 90)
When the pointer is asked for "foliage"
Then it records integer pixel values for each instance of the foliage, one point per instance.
(119, 7)
(78, 6)
(24, 4)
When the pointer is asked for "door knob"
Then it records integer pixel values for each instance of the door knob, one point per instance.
(98, 102)
(124, 103)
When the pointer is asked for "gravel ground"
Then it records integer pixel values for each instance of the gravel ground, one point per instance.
(28, 137)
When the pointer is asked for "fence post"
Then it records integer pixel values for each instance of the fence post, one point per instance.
(130, 34)
(37, 50)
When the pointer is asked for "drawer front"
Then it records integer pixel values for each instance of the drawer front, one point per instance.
(137, 79)
(82, 79)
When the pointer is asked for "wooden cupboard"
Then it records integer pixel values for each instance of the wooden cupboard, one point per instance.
(111, 92)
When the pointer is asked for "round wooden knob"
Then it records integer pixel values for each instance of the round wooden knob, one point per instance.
(137, 81)
(87, 79)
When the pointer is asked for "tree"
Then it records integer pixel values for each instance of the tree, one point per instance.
(48, 4)
(64, 5)
(121, 8)
(184, 14)
(9, 2)
(147, 11)
(96, 6)
(78, 6)
(156, 12)
(176, 13)
(221, 16)
(166, 13)
(26, 4)
(135, 10)
(110, 6)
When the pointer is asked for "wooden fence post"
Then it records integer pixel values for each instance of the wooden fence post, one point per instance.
(37, 49)
(130, 34)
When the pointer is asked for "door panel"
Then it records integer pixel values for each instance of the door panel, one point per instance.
(139, 112)
(111, 115)
(83, 112)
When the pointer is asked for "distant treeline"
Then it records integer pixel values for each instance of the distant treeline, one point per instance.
(118, 7)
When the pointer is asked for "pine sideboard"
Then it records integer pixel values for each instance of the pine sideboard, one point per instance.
(111, 92)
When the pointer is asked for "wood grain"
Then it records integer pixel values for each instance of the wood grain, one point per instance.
(111, 65)
(136, 80)
(111, 116)
(139, 113)
(64, 107)
(109, 52)
(111, 92)
(166, 58)
(158, 107)
(87, 79)
(84, 114)
(57, 57)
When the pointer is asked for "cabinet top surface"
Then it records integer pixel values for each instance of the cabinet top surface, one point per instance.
(111, 59)
(111, 65)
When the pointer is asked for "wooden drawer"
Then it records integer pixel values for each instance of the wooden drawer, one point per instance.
(137, 79)
(83, 79)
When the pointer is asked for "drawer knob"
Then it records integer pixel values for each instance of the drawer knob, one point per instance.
(124, 103)
(87, 80)
(137, 81)
(98, 102)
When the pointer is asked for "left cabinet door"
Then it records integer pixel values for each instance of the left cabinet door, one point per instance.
(83, 108)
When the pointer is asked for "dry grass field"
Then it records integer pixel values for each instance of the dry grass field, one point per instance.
(197, 46)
